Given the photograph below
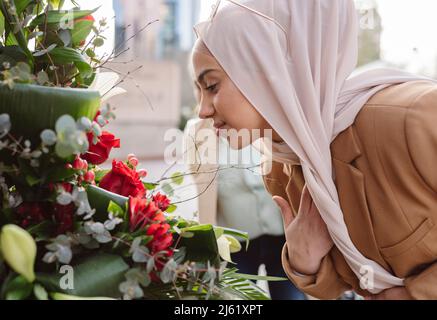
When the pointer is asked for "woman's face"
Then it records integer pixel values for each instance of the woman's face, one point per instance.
(219, 99)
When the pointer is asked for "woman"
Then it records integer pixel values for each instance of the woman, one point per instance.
(353, 171)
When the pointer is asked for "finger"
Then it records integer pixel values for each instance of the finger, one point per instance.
(287, 213)
(305, 201)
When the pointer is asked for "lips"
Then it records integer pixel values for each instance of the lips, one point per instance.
(219, 125)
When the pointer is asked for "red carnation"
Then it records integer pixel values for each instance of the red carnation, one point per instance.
(31, 213)
(123, 180)
(162, 239)
(144, 213)
(64, 217)
(99, 152)
(161, 201)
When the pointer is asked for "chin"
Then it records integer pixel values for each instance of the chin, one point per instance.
(238, 144)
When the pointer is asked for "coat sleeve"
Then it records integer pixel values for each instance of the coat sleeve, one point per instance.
(421, 135)
(423, 286)
(326, 284)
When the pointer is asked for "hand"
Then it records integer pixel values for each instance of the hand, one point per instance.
(307, 236)
(396, 293)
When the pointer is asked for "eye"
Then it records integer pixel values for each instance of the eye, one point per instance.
(212, 88)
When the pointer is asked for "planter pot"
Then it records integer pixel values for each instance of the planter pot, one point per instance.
(34, 108)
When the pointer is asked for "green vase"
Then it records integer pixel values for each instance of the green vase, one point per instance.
(33, 108)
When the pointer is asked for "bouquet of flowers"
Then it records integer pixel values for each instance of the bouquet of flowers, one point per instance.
(68, 228)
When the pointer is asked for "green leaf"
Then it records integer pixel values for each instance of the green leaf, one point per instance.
(12, 54)
(18, 289)
(41, 231)
(90, 53)
(54, 16)
(178, 178)
(58, 173)
(16, 35)
(42, 78)
(172, 208)
(115, 209)
(2, 24)
(21, 5)
(35, 108)
(168, 189)
(69, 55)
(62, 296)
(98, 42)
(40, 293)
(65, 36)
(56, 3)
(100, 174)
(233, 287)
(256, 277)
(32, 180)
(150, 186)
(81, 31)
(99, 275)
(99, 199)
(202, 246)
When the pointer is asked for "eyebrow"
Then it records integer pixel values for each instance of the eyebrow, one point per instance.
(201, 77)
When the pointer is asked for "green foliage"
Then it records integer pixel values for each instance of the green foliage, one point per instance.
(18, 288)
(53, 44)
(98, 275)
(201, 245)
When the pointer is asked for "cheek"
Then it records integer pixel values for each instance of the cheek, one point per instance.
(236, 110)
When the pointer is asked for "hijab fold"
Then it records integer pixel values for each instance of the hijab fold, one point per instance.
(293, 60)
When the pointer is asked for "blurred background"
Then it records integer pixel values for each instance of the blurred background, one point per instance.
(398, 33)
(153, 61)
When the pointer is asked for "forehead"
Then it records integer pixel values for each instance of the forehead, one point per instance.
(202, 60)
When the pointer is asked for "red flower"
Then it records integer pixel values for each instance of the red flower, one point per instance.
(31, 213)
(144, 214)
(161, 201)
(162, 239)
(64, 217)
(123, 180)
(99, 152)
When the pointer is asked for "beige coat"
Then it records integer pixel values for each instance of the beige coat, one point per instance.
(386, 177)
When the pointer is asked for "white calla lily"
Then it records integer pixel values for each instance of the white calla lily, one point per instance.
(105, 83)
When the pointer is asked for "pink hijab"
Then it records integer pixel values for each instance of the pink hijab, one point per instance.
(292, 59)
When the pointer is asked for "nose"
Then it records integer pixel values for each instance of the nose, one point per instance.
(206, 109)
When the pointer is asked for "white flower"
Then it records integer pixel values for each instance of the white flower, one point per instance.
(112, 222)
(82, 203)
(98, 231)
(64, 198)
(48, 137)
(80, 199)
(106, 83)
(60, 250)
(70, 138)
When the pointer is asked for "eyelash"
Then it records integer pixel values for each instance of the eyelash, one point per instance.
(211, 88)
